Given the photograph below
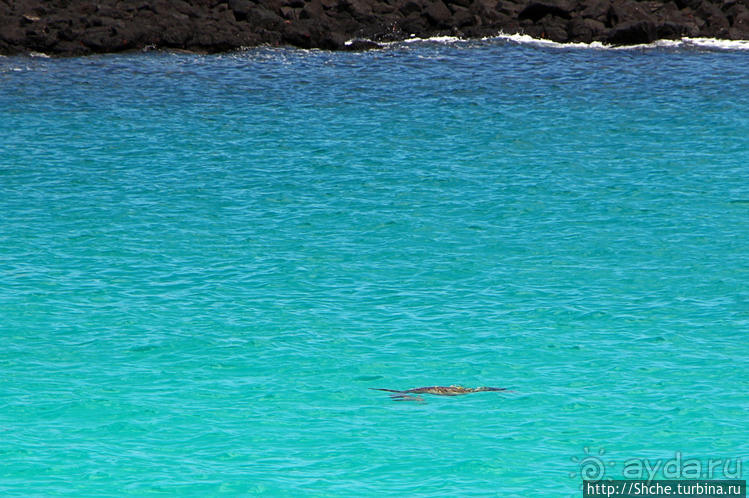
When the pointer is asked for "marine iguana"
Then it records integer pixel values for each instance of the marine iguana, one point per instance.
(438, 390)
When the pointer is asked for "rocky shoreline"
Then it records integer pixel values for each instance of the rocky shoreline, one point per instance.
(79, 27)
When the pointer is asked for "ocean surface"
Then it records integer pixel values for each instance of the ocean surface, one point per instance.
(207, 261)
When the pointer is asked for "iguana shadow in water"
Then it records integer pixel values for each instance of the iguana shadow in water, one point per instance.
(408, 394)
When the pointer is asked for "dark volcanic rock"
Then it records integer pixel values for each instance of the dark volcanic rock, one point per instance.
(740, 25)
(461, 17)
(672, 31)
(538, 9)
(438, 14)
(555, 28)
(632, 33)
(79, 27)
(241, 9)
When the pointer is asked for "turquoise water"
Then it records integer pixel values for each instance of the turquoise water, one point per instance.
(207, 261)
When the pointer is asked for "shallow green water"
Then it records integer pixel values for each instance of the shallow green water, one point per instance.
(206, 261)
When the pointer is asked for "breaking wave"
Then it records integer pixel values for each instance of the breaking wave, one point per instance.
(685, 43)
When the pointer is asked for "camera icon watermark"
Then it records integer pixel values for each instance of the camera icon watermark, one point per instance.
(592, 466)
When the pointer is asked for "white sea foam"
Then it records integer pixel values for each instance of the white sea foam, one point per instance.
(527, 39)
(703, 43)
(436, 39)
(699, 43)
(718, 44)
